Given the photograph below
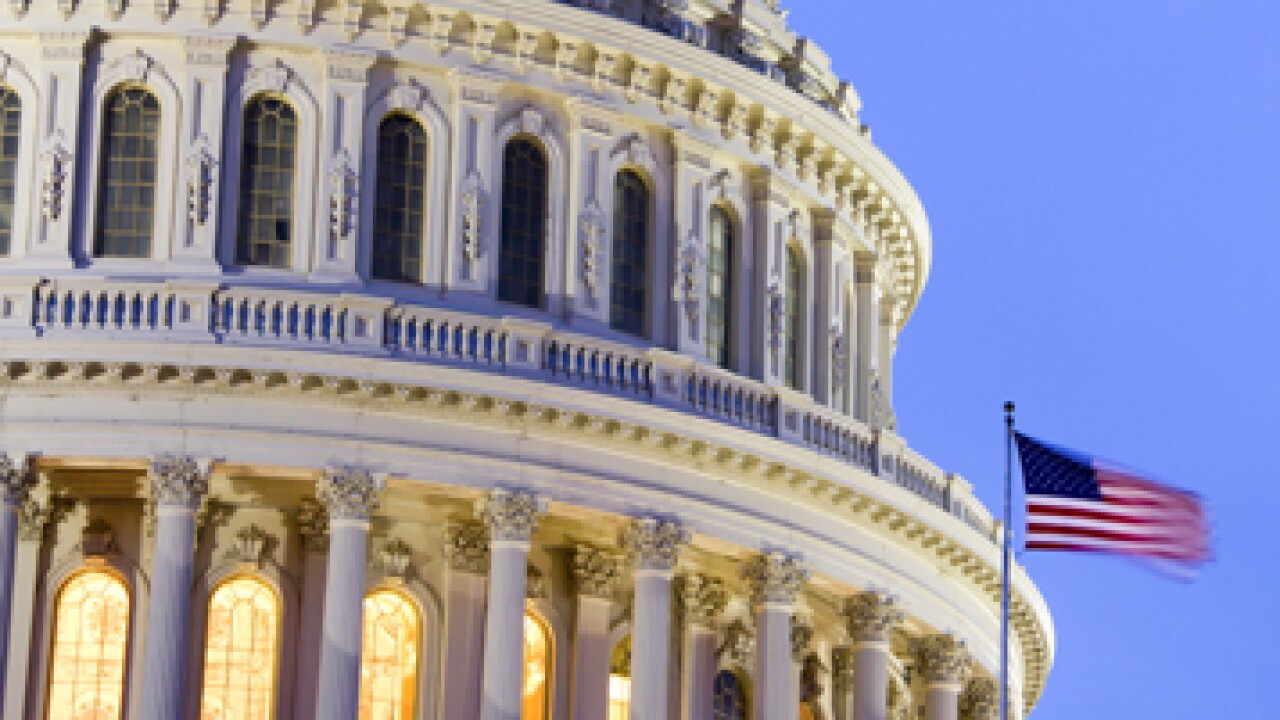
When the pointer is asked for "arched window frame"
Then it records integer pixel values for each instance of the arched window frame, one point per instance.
(431, 645)
(534, 148)
(641, 176)
(14, 76)
(135, 69)
(534, 125)
(68, 566)
(244, 573)
(418, 103)
(281, 81)
(538, 610)
(636, 154)
(286, 592)
(130, 634)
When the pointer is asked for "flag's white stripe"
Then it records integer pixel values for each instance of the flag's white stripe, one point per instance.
(1048, 502)
(1117, 545)
(1129, 492)
(1160, 530)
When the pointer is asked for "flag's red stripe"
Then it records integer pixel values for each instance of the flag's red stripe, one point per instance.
(1077, 547)
(1114, 514)
(1170, 536)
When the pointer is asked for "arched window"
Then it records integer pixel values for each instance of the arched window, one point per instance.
(10, 139)
(620, 680)
(389, 657)
(399, 209)
(268, 154)
(240, 652)
(127, 173)
(90, 647)
(524, 223)
(630, 288)
(720, 246)
(791, 317)
(537, 670)
(729, 700)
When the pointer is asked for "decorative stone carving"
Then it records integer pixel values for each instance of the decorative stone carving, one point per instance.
(762, 138)
(35, 516)
(535, 584)
(473, 201)
(274, 76)
(134, 67)
(250, 545)
(690, 276)
(408, 97)
(393, 559)
(466, 548)
(511, 516)
(943, 658)
(66, 8)
(258, 13)
(349, 493)
(981, 699)
(596, 572)
(343, 193)
(201, 178)
(482, 39)
(872, 616)
(566, 57)
(775, 578)
(606, 67)
(397, 24)
(801, 637)
(839, 355)
(653, 544)
(738, 645)
(178, 482)
(673, 94)
(16, 480)
(162, 8)
(212, 11)
(640, 82)
(706, 109)
(842, 667)
(55, 167)
(702, 598)
(526, 45)
(305, 14)
(350, 17)
(592, 225)
(97, 539)
(775, 303)
(735, 124)
(882, 415)
(812, 671)
(441, 29)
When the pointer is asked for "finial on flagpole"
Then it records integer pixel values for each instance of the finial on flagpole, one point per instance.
(1008, 413)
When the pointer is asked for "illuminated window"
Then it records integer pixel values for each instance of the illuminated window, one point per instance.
(729, 701)
(389, 657)
(537, 668)
(398, 215)
(90, 641)
(620, 680)
(791, 318)
(127, 172)
(524, 223)
(10, 140)
(806, 712)
(240, 652)
(719, 286)
(268, 154)
(630, 288)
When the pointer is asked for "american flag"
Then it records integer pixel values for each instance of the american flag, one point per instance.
(1076, 503)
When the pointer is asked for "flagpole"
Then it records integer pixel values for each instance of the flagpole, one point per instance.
(1006, 561)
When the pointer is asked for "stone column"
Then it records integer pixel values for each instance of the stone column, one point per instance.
(34, 516)
(843, 681)
(945, 664)
(872, 617)
(349, 495)
(702, 599)
(466, 551)
(654, 547)
(981, 699)
(597, 575)
(775, 579)
(511, 518)
(178, 484)
(313, 531)
(15, 482)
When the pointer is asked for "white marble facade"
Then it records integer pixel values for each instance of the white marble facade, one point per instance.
(630, 386)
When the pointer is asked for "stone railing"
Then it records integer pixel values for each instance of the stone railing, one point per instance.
(263, 316)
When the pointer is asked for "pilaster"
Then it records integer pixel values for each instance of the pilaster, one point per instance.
(591, 131)
(692, 216)
(194, 242)
(60, 80)
(769, 211)
(341, 155)
(475, 214)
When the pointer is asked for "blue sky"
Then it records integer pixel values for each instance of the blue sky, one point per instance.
(1103, 182)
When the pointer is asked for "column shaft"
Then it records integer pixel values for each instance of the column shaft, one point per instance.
(8, 553)
(22, 605)
(651, 645)
(163, 676)
(314, 573)
(772, 681)
(464, 645)
(591, 653)
(942, 701)
(699, 672)
(339, 696)
(871, 674)
(504, 631)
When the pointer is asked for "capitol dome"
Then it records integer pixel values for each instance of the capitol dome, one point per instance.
(498, 359)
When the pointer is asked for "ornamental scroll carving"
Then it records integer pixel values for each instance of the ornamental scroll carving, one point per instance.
(943, 658)
(178, 482)
(349, 493)
(592, 225)
(738, 645)
(511, 516)
(466, 548)
(55, 167)
(690, 277)
(313, 526)
(393, 560)
(872, 616)
(597, 573)
(250, 545)
(201, 178)
(653, 544)
(343, 193)
(702, 598)
(775, 578)
(473, 201)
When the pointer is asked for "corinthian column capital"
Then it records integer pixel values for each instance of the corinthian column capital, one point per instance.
(597, 573)
(943, 658)
(801, 637)
(466, 548)
(654, 544)
(179, 482)
(872, 616)
(981, 699)
(511, 516)
(15, 479)
(349, 493)
(702, 598)
(775, 578)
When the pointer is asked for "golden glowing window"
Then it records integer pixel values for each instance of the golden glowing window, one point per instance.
(90, 642)
(240, 652)
(537, 668)
(389, 657)
(620, 680)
